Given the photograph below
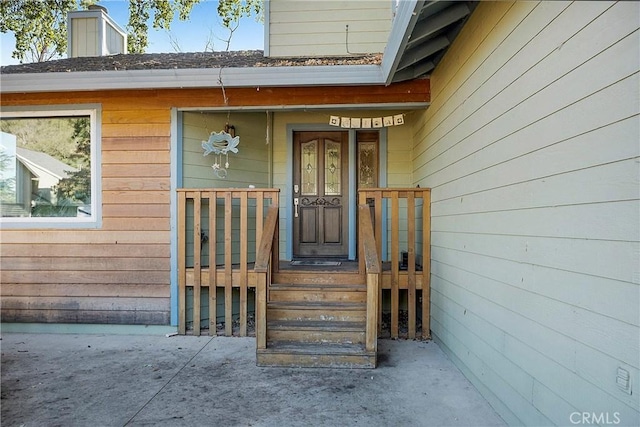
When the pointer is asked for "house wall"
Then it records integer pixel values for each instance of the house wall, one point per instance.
(120, 272)
(319, 28)
(531, 149)
(250, 166)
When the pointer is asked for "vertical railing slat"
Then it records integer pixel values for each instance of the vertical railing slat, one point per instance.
(228, 264)
(426, 264)
(182, 259)
(411, 268)
(244, 238)
(395, 271)
(261, 310)
(259, 217)
(371, 261)
(371, 329)
(377, 200)
(362, 200)
(213, 276)
(264, 258)
(275, 260)
(259, 228)
(197, 270)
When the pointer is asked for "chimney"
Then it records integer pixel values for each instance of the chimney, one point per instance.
(93, 33)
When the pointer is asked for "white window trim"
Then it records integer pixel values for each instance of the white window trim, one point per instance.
(94, 111)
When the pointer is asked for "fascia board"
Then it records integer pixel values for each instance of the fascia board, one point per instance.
(403, 23)
(192, 78)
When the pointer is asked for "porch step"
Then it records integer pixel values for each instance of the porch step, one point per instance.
(316, 322)
(316, 332)
(314, 355)
(356, 293)
(316, 319)
(317, 311)
(317, 278)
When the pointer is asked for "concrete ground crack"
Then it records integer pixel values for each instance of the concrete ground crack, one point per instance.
(168, 382)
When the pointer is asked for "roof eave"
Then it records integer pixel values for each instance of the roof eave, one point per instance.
(324, 75)
(403, 23)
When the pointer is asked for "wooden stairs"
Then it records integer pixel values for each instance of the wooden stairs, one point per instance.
(316, 319)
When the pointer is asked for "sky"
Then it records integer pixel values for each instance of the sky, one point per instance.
(191, 36)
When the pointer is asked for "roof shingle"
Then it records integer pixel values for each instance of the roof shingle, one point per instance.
(193, 60)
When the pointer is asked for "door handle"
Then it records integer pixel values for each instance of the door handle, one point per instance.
(295, 205)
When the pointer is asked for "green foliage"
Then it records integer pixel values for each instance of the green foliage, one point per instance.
(52, 136)
(7, 185)
(232, 10)
(67, 139)
(77, 187)
(39, 26)
(58, 210)
(139, 13)
(164, 12)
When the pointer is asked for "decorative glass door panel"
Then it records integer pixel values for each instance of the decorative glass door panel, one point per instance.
(320, 194)
(367, 143)
(333, 170)
(309, 165)
(367, 165)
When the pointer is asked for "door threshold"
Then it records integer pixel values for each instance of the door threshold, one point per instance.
(315, 263)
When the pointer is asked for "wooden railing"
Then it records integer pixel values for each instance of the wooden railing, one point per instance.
(397, 276)
(214, 230)
(266, 263)
(368, 253)
(218, 242)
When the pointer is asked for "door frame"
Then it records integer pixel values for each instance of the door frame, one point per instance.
(287, 192)
(329, 218)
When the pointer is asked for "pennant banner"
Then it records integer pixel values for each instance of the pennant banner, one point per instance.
(366, 122)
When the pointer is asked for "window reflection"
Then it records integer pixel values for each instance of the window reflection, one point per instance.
(45, 167)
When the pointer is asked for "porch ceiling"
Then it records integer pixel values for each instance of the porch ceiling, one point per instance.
(431, 28)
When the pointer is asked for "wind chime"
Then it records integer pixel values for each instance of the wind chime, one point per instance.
(220, 143)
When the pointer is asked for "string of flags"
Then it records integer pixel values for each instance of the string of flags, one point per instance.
(366, 122)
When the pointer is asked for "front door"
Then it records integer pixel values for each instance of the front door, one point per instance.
(320, 194)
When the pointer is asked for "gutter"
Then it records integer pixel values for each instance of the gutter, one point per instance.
(192, 78)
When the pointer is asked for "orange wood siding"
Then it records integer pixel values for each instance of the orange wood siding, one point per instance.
(120, 273)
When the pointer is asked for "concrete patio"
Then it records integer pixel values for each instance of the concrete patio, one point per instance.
(131, 380)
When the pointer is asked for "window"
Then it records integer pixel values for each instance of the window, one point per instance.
(367, 159)
(49, 168)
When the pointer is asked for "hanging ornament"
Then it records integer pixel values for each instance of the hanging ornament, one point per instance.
(220, 143)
